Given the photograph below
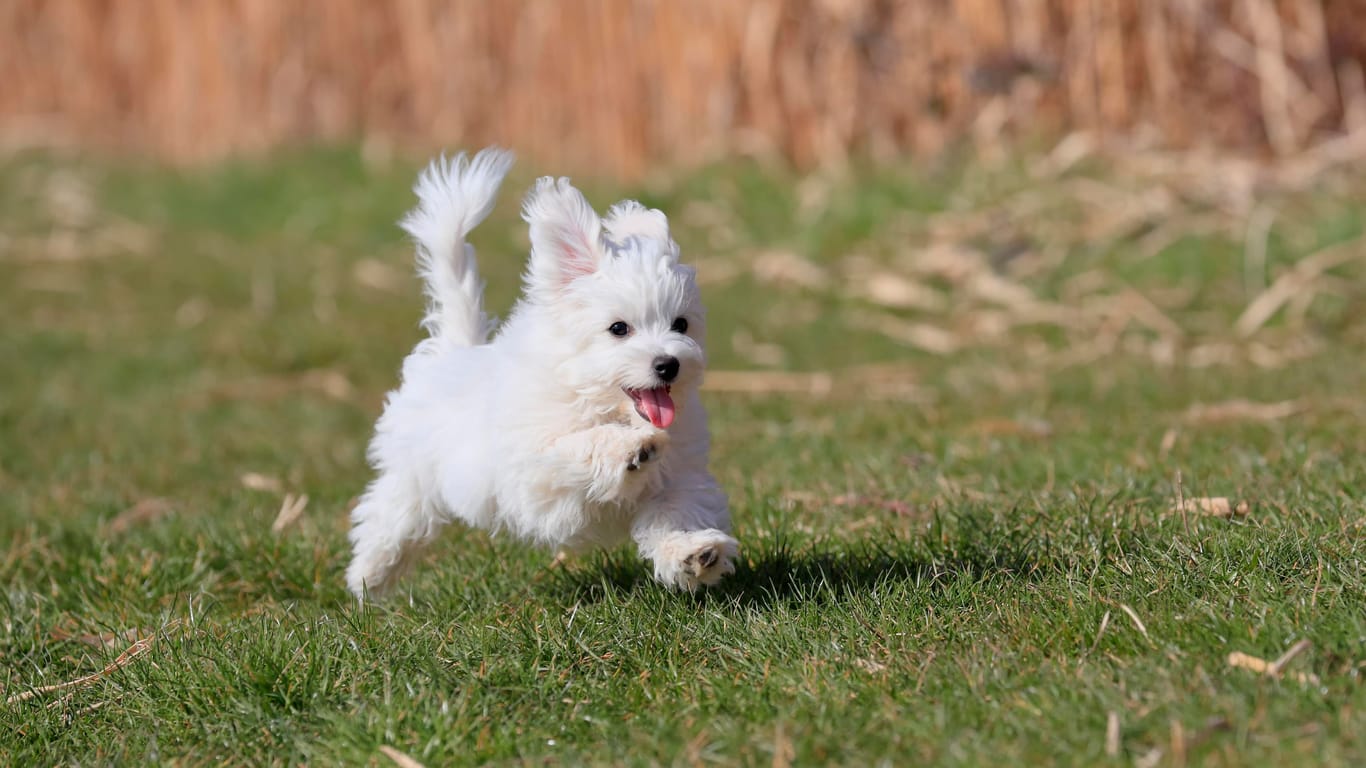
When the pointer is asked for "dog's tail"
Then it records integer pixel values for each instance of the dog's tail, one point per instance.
(453, 197)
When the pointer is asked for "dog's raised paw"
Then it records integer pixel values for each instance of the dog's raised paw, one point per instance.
(641, 457)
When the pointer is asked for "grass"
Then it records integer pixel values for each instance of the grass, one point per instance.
(962, 556)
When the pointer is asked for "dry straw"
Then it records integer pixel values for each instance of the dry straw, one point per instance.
(620, 84)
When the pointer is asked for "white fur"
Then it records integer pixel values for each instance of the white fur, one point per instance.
(532, 433)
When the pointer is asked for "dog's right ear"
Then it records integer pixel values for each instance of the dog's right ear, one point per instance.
(566, 235)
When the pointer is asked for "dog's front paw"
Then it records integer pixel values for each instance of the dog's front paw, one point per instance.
(641, 456)
(692, 559)
(644, 447)
(622, 458)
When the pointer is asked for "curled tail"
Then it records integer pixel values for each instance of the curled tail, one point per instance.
(453, 197)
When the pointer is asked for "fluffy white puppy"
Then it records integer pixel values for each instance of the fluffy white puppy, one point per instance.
(579, 423)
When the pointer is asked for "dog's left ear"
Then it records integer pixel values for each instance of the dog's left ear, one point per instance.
(629, 218)
(566, 235)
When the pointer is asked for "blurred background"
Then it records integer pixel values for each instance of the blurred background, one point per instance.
(615, 87)
(940, 204)
(1001, 290)
(912, 190)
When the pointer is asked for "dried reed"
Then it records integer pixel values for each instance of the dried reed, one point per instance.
(614, 85)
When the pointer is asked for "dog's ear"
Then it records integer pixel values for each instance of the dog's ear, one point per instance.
(566, 235)
(631, 219)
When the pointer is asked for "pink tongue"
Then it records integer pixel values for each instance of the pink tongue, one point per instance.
(655, 405)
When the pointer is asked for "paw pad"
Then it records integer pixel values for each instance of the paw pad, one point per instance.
(701, 560)
(642, 456)
(707, 557)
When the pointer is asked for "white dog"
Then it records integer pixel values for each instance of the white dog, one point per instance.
(579, 423)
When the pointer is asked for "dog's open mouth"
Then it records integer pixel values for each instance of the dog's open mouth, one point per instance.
(654, 405)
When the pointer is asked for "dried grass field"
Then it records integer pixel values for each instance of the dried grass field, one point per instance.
(1048, 457)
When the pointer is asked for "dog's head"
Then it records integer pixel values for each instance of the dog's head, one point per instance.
(626, 315)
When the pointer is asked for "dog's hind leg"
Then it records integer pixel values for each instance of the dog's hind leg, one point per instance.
(390, 526)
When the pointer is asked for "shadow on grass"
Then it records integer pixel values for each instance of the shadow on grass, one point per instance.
(781, 572)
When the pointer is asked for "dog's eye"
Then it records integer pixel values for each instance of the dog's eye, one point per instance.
(618, 328)
(680, 325)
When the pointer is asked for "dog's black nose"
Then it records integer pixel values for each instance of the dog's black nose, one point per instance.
(667, 368)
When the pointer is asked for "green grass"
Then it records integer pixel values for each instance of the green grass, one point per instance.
(974, 566)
